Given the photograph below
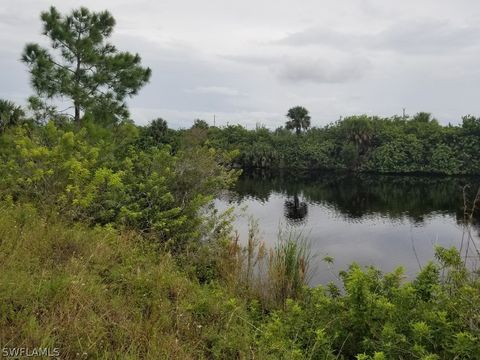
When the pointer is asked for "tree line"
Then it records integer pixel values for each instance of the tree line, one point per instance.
(407, 144)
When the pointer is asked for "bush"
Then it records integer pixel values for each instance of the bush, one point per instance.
(97, 180)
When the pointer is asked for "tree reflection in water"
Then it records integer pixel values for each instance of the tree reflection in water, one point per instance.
(295, 211)
(355, 196)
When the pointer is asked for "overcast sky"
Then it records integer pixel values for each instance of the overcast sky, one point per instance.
(249, 61)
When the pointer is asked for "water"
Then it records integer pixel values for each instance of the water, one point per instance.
(379, 220)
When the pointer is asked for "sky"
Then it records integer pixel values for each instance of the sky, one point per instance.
(249, 61)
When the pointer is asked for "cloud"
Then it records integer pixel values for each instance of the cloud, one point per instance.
(322, 36)
(307, 67)
(321, 70)
(437, 37)
(214, 90)
(419, 36)
(253, 59)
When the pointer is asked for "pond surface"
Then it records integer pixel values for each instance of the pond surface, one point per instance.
(380, 220)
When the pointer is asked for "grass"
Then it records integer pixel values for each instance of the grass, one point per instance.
(104, 294)
(271, 275)
(289, 266)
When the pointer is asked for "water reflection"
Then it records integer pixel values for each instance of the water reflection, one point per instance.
(371, 219)
(296, 211)
(355, 196)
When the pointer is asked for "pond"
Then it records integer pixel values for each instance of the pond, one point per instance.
(380, 220)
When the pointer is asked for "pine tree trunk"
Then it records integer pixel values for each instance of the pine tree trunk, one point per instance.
(77, 113)
(77, 83)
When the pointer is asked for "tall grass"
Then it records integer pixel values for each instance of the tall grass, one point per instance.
(98, 293)
(288, 266)
(274, 274)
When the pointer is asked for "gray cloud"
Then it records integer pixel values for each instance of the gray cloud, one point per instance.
(322, 71)
(309, 69)
(215, 90)
(253, 59)
(436, 37)
(322, 36)
(421, 36)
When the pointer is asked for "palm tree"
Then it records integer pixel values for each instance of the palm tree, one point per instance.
(423, 117)
(299, 119)
(360, 131)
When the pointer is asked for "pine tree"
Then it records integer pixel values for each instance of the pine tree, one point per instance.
(84, 67)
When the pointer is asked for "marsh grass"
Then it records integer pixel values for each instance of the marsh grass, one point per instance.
(273, 274)
(288, 266)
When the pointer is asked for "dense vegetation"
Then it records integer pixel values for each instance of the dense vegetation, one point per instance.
(360, 143)
(110, 248)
